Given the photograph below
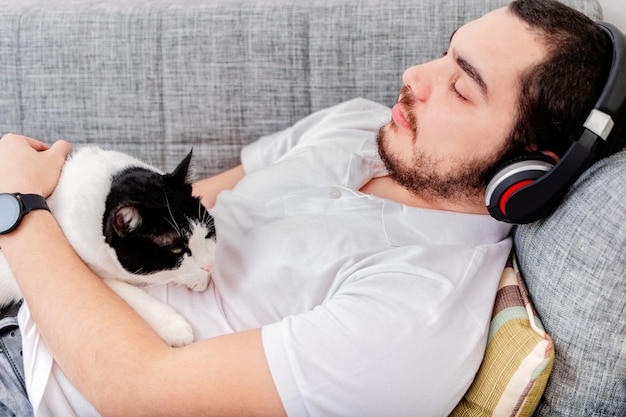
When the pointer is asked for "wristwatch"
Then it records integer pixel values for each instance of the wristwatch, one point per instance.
(13, 207)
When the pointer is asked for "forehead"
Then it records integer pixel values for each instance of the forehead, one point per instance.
(500, 46)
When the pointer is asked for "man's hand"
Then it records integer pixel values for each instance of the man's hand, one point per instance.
(29, 166)
(208, 188)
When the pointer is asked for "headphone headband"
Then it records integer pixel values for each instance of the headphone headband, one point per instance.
(614, 93)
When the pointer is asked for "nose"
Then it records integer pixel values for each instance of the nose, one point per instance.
(208, 268)
(418, 81)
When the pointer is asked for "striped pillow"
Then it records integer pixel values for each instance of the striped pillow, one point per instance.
(518, 359)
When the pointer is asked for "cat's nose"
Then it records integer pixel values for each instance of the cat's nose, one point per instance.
(208, 268)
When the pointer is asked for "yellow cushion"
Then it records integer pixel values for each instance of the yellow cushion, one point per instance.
(518, 359)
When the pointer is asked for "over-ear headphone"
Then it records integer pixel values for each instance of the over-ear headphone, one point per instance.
(527, 188)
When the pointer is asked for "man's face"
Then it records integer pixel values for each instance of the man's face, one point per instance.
(455, 113)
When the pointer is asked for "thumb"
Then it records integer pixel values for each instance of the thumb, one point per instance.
(61, 148)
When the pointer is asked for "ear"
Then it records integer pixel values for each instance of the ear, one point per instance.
(127, 219)
(551, 154)
(182, 174)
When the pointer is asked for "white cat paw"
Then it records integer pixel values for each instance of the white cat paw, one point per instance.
(175, 330)
(171, 326)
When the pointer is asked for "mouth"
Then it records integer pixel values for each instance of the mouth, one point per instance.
(397, 115)
(208, 268)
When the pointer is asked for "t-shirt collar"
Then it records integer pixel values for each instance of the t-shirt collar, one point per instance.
(406, 225)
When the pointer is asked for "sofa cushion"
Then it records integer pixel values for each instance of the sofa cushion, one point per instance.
(518, 359)
(574, 264)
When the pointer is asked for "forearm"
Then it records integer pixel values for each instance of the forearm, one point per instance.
(113, 357)
(76, 312)
(209, 188)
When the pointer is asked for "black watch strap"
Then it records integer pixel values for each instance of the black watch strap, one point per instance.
(14, 206)
(32, 202)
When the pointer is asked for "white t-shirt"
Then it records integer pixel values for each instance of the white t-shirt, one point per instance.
(368, 307)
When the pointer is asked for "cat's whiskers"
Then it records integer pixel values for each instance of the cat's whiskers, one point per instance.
(204, 216)
(201, 214)
(174, 226)
(208, 220)
(173, 222)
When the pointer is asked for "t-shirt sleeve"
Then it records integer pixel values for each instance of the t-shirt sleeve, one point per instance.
(360, 113)
(404, 349)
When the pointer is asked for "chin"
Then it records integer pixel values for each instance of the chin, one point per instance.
(393, 140)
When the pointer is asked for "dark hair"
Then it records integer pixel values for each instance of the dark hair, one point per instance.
(558, 94)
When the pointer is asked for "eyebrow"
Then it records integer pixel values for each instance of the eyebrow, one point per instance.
(470, 70)
(473, 73)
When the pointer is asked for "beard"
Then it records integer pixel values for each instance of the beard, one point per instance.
(421, 173)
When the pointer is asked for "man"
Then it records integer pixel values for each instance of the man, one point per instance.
(356, 270)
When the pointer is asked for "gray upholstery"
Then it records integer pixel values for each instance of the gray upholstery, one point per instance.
(157, 77)
(574, 264)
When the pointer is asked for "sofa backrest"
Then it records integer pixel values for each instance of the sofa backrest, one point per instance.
(158, 77)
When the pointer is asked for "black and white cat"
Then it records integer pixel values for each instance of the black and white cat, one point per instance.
(134, 227)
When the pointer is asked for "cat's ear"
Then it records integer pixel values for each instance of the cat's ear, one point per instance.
(183, 174)
(126, 220)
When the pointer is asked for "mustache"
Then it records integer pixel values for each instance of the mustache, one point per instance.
(407, 103)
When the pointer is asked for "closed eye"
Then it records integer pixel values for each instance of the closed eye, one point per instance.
(455, 91)
(453, 85)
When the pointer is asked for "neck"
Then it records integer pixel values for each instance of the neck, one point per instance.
(387, 188)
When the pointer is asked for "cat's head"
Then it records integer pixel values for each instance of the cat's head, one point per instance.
(160, 233)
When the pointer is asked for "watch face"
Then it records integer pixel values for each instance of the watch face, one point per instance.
(9, 212)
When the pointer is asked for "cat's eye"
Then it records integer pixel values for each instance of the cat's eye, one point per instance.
(176, 251)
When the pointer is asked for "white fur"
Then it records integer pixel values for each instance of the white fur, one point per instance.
(78, 205)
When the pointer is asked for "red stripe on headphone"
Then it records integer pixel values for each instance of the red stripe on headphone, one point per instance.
(509, 192)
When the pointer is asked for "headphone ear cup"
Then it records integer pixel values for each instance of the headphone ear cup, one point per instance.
(511, 176)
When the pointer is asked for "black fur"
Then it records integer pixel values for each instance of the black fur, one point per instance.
(148, 218)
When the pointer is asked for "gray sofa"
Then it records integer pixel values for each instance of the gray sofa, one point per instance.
(157, 77)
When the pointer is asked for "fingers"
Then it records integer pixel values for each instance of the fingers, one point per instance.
(34, 143)
(61, 147)
(28, 165)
